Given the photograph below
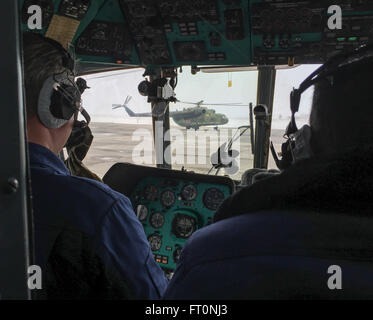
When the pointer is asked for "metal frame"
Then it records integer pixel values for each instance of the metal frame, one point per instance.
(15, 244)
(161, 144)
(266, 91)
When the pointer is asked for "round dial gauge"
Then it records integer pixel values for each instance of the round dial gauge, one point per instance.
(141, 212)
(156, 220)
(183, 226)
(167, 198)
(189, 192)
(150, 193)
(176, 254)
(155, 242)
(213, 198)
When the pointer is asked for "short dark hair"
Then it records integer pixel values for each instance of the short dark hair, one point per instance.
(342, 110)
(41, 59)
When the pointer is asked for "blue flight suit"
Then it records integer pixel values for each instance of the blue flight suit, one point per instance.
(277, 255)
(303, 234)
(88, 239)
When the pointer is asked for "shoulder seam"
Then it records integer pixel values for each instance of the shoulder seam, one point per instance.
(96, 187)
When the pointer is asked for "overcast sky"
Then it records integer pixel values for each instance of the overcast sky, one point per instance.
(113, 88)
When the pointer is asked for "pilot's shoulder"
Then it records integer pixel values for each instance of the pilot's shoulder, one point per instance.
(96, 191)
(251, 226)
(248, 234)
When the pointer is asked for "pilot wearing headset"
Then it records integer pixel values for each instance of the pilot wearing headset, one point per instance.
(305, 233)
(88, 240)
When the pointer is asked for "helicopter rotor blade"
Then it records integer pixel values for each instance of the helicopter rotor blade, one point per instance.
(186, 102)
(233, 104)
(128, 99)
(226, 104)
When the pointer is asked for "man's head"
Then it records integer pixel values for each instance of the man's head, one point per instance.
(342, 110)
(42, 59)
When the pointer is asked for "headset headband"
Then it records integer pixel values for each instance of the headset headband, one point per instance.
(69, 99)
(68, 60)
(69, 63)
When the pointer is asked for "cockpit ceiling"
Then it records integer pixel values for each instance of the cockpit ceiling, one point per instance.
(172, 33)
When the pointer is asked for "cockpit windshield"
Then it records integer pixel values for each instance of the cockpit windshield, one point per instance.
(212, 110)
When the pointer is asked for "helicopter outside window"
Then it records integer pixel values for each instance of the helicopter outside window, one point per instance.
(122, 124)
(223, 100)
(211, 108)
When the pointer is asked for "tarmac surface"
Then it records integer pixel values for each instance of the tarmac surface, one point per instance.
(115, 142)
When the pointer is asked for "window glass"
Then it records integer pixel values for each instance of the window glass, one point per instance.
(286, 80)
(125, 135)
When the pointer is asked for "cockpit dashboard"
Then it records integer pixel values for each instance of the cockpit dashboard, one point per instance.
(171, 205)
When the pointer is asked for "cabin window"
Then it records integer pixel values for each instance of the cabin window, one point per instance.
(118, 135)
(113, 129)
(286, 80)
(226, 88)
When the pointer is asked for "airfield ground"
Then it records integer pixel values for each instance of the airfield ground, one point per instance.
(113, 143)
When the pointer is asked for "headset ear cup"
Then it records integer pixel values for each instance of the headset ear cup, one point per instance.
(44, 106)
(61, 107)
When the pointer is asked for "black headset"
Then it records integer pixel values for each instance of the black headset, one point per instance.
(60, 95)
(298, 144)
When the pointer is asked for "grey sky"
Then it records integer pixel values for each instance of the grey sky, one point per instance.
(113, 88)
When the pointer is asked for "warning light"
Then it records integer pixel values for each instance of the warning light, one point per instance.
(341, 39)
(352, 39)
(119, 62)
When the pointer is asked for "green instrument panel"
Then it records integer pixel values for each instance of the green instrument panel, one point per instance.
(171, 210)
(172, 33)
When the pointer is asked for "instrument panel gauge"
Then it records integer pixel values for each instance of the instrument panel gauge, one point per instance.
(141, 212)
(150, 193)
(155, 242)
(189, 192)
(213, 198)
(183, 226)
(156, 220)
(167, 198)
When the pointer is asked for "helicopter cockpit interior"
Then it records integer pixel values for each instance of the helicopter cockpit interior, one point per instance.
(161, 38)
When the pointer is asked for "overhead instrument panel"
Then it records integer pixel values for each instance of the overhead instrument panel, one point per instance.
(297, 32)
(178, 32)
(147, 30)
(61, 20)
(74, 9)
(171, 205)
(167, 33)
(106, 39)
(172, 209)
